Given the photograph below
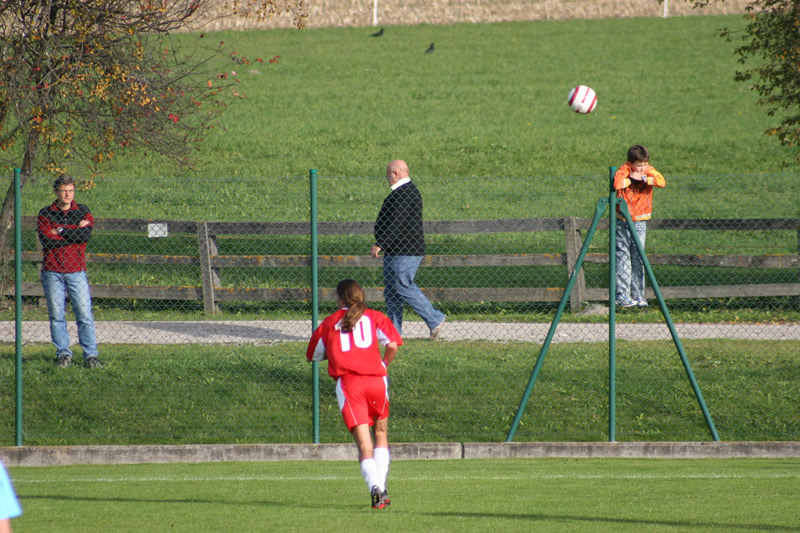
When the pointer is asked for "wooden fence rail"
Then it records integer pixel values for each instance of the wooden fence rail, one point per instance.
(210, 262)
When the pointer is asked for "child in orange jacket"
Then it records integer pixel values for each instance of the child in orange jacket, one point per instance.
(634, 182)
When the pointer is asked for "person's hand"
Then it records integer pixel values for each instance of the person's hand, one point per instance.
(375, 250)
(83, 223)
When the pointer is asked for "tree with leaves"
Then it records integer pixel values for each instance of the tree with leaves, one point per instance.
(84, 81)
(770, 48)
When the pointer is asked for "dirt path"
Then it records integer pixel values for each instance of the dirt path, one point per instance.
(273, 331)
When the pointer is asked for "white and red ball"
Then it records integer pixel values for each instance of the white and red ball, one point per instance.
(582, 99)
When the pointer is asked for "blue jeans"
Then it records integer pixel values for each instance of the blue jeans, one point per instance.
(56, 287)
(399, 288)
(630, 268)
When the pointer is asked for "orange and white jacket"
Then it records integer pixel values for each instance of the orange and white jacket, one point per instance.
(637, 194)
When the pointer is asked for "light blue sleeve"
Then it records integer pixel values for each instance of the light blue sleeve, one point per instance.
(9, 505)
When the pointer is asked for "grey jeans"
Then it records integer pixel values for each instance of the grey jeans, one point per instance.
(630, 268)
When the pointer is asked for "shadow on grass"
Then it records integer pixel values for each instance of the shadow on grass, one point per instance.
(622, 521)
(534, 517)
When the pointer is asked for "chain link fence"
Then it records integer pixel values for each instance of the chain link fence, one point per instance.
(203, 307)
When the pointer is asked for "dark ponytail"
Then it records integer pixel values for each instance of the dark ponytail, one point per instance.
(352, 295)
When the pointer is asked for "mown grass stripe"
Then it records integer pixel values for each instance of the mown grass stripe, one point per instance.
(488, 477)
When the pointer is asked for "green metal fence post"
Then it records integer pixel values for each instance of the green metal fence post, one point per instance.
(314, 298)
(598, 212)
(665, 311)
(18, 304)
(612, 306)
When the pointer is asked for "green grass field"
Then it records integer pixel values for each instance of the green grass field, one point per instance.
(460, 496)
(447, 392)
(490, 102)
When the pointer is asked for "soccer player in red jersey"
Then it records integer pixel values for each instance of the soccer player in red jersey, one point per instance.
(350, 340)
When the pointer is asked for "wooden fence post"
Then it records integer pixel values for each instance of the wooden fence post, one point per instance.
(207, 245)
(574, 244)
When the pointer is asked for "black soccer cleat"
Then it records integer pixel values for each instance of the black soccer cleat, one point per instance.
(378, 498)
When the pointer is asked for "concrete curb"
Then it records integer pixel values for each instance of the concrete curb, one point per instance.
(199, 453)
(639, 450)
(202, 453)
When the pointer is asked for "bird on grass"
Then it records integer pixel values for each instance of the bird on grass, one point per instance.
(430, 49)
(378, 33)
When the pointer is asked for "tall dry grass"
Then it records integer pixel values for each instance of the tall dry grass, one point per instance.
(325, 13)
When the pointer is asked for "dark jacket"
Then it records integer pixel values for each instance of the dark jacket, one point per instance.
(66, 252)
(398, 230)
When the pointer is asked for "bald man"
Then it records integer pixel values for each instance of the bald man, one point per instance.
(398, 233)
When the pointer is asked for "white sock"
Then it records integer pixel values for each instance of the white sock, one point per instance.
(370, 473)
(381, 456)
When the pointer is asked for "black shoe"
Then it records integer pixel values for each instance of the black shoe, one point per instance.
(376, 497)
(92, 362)
(64, 361)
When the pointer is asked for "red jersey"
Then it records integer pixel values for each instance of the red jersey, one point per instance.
(355, 352)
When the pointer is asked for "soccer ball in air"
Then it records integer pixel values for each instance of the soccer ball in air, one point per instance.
(582, 99)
